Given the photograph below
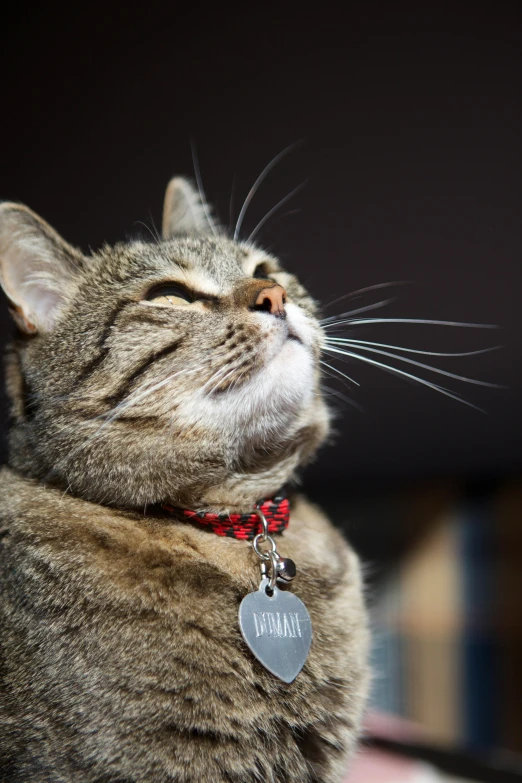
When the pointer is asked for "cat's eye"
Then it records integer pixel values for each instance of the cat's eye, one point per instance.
(169, 294)
(262, 272)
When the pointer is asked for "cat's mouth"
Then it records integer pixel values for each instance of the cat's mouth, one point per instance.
(278, 356)
(293, 336)
(298, 327)
(280, 346)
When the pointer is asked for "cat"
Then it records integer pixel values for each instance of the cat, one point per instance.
(180, 374)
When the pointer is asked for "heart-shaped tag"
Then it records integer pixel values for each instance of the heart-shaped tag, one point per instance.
(278, 630)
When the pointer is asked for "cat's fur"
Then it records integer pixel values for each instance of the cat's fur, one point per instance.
(121, 656)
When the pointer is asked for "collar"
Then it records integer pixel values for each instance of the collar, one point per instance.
(243, 526)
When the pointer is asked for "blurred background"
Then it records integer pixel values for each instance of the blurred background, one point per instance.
(410, 120)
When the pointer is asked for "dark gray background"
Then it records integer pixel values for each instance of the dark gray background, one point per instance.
(411, 115)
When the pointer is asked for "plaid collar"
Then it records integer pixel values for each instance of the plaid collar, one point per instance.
(244, 526)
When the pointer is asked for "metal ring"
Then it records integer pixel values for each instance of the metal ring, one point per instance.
(264, 523)
(260, 540)
(273, 578)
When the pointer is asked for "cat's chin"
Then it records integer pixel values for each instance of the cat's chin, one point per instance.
(272, 397)
(291, 353)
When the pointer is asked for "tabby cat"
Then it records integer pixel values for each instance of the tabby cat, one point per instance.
(180, 375)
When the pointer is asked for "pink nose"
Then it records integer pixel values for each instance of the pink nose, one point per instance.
(272, 300)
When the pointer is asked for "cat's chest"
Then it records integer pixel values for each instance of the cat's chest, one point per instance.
(137, 626)
(179, 637)
(185, 617)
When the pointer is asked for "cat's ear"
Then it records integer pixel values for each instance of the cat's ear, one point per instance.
(36, 267)
(184, 211)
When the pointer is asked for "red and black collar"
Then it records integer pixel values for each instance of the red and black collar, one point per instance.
(244, 526)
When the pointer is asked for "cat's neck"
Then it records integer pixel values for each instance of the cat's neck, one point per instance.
(240, 493)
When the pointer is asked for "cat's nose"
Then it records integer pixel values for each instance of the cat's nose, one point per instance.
(261, 295)
(272, 300)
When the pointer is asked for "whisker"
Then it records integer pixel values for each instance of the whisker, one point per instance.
(365, 290)
(220, 371)
(231, 204)
(199, 183)
(335, 369)
(251, 193)
(141, 223)
(274, 209)
(343, 397)
(364, 321)
(328, 374)
(239, 378)
(158, 238)
(374, 306)
(130, 401)
(348, 341)
(417, 364)
(220, 381)
(117, 411)
(430, 385)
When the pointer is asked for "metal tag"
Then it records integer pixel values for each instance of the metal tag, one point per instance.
(278, 630)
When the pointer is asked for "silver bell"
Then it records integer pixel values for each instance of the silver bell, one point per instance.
(286, 569)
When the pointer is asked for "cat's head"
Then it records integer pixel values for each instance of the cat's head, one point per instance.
(182, 371)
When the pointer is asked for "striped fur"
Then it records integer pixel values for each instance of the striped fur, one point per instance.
(121, 656)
